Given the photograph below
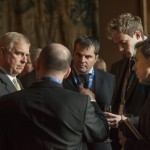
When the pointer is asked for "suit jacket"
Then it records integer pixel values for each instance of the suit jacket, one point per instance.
(46, 116)
(103, 86)
(135, 99)
(144, 129)
(6, 85)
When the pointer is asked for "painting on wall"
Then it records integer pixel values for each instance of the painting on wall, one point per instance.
(46, 21)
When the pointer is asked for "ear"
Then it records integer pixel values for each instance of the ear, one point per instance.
(137, 34)
(96, 57)
(67, 73)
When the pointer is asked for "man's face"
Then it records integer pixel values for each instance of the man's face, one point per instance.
(126, 43)
(83, 58)
(142, 68)
(14, 60)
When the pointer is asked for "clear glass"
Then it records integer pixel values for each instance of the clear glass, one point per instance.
(107, 108)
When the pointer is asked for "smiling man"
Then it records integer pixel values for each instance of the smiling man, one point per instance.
(87, 80)
(14, 49)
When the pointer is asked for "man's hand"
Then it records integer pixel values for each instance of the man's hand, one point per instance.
(88, 92)
(112, 119)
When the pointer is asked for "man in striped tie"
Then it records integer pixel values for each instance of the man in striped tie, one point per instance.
(14, 49)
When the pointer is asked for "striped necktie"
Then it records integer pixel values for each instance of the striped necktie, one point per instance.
(16, 84)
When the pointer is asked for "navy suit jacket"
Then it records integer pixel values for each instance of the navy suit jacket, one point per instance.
(46, 116)
(6, 85)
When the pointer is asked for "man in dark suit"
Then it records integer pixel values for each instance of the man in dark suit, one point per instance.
(129, 95)
(142, 69)
(99, 83)
(47, 116)
(14, 48)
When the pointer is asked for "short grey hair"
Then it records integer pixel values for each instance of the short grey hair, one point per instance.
(8, 40)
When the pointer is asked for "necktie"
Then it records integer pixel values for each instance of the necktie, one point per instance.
(85, 77)
(130, 73)
(16, 84)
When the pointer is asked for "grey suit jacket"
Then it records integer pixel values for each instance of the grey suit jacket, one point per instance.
(6, 86)
(46, 116)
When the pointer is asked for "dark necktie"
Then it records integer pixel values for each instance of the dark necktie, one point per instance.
(131, 63)
(85, 77)
(130, 75)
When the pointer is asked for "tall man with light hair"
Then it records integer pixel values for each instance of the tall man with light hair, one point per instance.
(129, 96)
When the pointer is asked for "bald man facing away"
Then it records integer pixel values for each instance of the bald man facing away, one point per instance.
(46, 116)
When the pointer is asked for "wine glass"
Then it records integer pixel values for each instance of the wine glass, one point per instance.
(107, 108)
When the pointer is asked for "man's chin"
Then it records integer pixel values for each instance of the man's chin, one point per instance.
(82, 71)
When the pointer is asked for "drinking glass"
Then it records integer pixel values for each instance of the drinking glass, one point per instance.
(107, 108)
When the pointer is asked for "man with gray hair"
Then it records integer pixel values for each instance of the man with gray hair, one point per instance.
(14, 49)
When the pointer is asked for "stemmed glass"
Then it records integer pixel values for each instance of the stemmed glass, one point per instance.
(107, 108)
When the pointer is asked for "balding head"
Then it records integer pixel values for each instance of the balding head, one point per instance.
(54, 58)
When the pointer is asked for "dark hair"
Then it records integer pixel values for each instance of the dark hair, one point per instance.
(144, 47)
(55, 57)
(87, 42)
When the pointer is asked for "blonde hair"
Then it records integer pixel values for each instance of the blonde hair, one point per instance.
(125, 23)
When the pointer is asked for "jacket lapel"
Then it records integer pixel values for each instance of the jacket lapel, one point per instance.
(5, 80)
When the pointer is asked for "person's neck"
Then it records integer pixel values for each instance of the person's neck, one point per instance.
(57, 76)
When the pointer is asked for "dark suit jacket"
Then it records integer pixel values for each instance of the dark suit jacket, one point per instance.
(6, 86)
(48, 117)
(137, 93)
(103, 89)
(144, 129)
(135, 99)
(103, 86)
